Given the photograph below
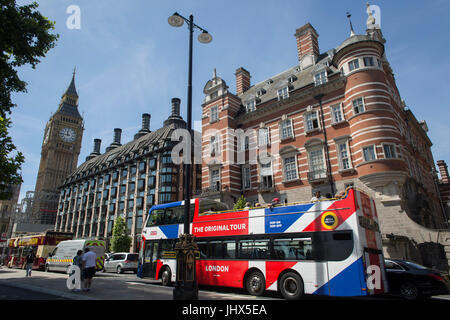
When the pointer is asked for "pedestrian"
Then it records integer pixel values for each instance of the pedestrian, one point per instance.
(316, 196)
(275, 202)
(29, 260)
(77, 261)
(89, 263)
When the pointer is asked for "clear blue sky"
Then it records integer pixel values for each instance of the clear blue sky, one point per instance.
(129, 60)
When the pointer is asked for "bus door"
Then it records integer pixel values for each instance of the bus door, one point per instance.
(150, 258)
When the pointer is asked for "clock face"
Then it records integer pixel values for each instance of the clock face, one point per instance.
(67, 134)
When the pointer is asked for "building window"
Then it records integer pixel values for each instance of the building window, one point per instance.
(320, 78)
(286, 129)
(344, 156)
(283, 93)
(250, 106)
(368, 62)
(214, 114)
(358, 105)
(266, 175)
(290, 168)
(389, 151)
(336, 113)
(214, 145)
(312, 121)
(215, 179)
(246, 177)
(354, 64)
(369, 153)
(316, 163)
(263, 137)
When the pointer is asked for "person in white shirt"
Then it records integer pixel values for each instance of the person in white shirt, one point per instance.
(316, 196)
(89, 262)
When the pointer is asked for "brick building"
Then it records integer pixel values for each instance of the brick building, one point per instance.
(332, 120)
(124, 181)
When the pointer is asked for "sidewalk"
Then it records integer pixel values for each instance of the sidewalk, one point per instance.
(104, 286)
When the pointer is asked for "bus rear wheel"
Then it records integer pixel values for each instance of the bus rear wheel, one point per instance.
(291, 286)
(256, 284)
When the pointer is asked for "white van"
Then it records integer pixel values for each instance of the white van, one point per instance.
(62, 256)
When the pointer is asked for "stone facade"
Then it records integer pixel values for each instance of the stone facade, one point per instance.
(333, 120)
(124, 181)
(59, 156)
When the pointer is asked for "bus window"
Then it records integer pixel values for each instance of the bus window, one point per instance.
(170, 215)
(222, 250)
(254, 249)
(292, 249)
(203, 248)
(155, 217)
(333, 246)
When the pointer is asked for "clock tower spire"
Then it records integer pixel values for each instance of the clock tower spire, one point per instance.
(59, 156)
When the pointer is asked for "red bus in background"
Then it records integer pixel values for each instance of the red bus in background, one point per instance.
(41, 244)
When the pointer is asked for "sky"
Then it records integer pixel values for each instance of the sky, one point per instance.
(130, 61)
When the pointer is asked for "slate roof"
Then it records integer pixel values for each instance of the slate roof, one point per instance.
(140, 146)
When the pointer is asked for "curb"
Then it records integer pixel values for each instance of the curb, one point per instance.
(66, 295)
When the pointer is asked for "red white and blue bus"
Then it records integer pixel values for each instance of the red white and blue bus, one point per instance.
(328, 247)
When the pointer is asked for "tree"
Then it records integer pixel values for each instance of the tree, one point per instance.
(240, 204)
(25, 38)
(120, 241)
(9, 166)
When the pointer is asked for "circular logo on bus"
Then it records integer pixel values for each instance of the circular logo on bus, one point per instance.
(329, 220)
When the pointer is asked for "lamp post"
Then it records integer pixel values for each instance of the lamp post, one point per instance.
(186, 282)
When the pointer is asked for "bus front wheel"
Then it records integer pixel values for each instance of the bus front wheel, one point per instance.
(291, 286)
(256, 283)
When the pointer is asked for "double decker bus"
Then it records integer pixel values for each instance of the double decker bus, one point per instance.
(41, 244)
(328, 247)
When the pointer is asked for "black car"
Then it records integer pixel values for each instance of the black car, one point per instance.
(413, 281)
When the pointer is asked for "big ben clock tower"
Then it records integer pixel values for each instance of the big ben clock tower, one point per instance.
(59, 156)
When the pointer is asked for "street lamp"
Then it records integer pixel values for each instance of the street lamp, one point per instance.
(186, 283)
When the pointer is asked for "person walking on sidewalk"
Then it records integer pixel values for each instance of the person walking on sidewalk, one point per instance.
(30, 260)
(77, 261)
(89, 263)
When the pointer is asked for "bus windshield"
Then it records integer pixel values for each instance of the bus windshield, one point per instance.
(175, 214)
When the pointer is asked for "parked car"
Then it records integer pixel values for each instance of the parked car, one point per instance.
(122, 261)
(412, 280)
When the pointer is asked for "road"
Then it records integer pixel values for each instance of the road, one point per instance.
(127, 286)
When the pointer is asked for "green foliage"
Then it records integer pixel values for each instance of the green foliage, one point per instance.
(24, 39)
(9, 165)
(120, 241)
(240, 204)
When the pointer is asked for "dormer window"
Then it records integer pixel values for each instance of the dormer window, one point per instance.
(269, 81)
(214, 95)
(250, 106)
(260, 92)
(368, 62)
(320, 78)
(283, 93)
(354, 64)
(214, 114)
(292, 78)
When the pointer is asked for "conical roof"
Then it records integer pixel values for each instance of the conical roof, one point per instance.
(71, 90)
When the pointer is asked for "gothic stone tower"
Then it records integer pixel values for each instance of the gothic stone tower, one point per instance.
(59, 155)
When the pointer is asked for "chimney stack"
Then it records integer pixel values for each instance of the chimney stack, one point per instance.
(307, 43)
(443, 170)
(175, 107)
(117, 136)
(97, 144)
(145, 126)
(96, 151)
(242, 80)
(146, 121)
